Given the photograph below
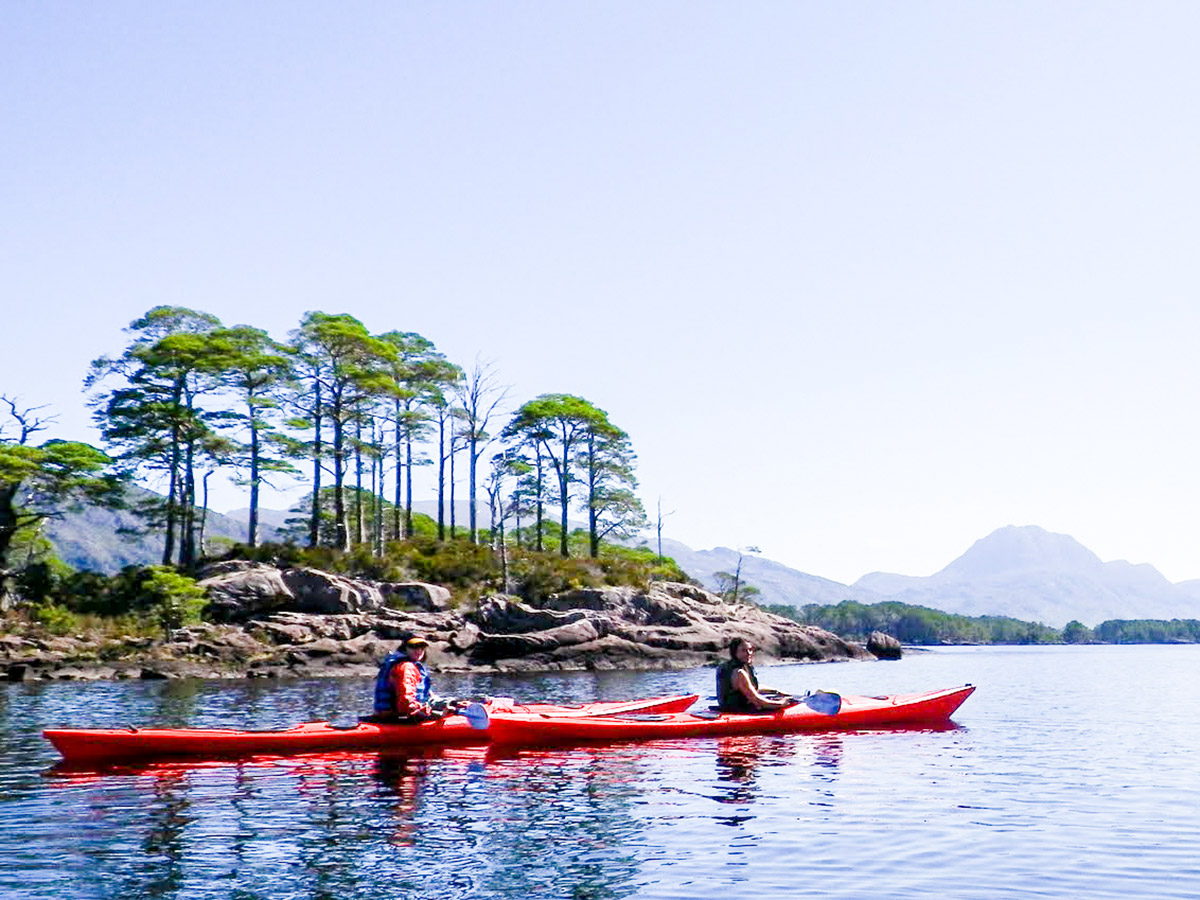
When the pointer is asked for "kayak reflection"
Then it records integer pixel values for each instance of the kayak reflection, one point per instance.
(402, 779)
(739, 759)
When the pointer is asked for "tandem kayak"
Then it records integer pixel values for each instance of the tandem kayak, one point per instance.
(854, 712)
(92, 745)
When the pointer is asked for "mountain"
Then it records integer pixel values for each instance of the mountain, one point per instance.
(1190, 589)
(1031, 574)
(105, 540)
(270, 521)
(777, 582)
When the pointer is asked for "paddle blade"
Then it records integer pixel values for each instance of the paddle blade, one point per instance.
(824, 702)
(477, 717)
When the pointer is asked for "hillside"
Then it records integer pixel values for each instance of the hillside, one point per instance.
(106, 540)
(1031, 574)
(777, 582)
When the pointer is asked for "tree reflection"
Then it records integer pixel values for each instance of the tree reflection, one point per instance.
(566, 825)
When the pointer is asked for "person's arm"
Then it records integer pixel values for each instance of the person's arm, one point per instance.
(743, 684)
(406, 678)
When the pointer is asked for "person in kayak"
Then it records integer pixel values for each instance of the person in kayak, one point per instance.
(404, 690)
(737, 683)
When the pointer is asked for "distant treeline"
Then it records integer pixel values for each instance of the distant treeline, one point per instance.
(921, 625)
(1148, 631)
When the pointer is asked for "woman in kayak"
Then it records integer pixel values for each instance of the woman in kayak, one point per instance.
(403, 690)
(737, 684)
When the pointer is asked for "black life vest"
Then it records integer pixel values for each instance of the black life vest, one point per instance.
(729, 698)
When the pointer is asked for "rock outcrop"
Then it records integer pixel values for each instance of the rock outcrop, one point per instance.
(275, 622)
(883, 646)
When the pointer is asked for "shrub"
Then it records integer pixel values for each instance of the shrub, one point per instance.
(456, 563)
(42, 581)
(97, 594)
(175, 598)
(55, 619)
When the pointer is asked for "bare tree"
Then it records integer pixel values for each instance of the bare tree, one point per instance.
(479, 396)
(658, 528)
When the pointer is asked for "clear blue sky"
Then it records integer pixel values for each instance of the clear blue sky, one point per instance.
(863, 281)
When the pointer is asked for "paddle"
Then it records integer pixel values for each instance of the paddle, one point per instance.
(825, 702)
(476, 715)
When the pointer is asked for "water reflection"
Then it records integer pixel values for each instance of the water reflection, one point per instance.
(163, 842)
(1002, 815)
(739, 759)
(567, 822)
(827, 752)
(402, 778)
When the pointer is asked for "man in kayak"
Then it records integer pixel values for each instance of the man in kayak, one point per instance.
(737, 684)
(403, 690)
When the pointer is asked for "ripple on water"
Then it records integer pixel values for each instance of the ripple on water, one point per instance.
(1058, 781)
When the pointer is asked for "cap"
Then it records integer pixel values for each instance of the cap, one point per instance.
(416, 641)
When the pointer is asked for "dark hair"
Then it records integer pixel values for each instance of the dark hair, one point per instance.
(735, 644)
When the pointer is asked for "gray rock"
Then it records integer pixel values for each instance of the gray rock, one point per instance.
(416, 595)
(491, 647)
(884, 646)
(466, 637)
(322, 647)
(328, 594)
(245, 592)
(239, 592)
(284, 632)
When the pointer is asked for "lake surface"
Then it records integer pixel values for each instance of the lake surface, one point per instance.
(1072, 772)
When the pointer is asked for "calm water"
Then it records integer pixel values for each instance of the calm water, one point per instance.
(1072, 772)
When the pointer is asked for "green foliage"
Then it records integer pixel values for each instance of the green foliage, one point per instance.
(581, 447)
(535, 576)
(112, 633)
(156, 415)
(42, 581)
(175, 598)
(39, 482)
(920, 625)
(1076, 633)
(424, 526)
(97, 594)
(55, 619)
(654, 567)
(457, 563)
(469, 568)
(733, 588)
(1148, 631)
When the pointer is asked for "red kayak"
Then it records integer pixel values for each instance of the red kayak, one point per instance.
(110, 745)
(853, 712)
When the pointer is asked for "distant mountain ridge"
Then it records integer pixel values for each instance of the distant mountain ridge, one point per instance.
(778, 583)
(1028, 573)
(106, 540)
(1023, 572)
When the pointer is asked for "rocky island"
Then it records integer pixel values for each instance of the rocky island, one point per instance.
(279, 621)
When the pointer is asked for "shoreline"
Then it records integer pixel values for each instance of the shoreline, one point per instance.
(305, 623)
